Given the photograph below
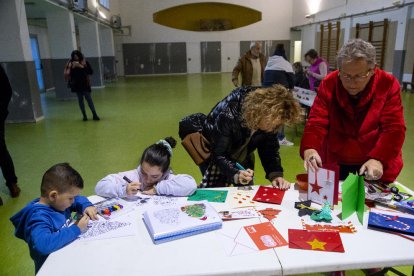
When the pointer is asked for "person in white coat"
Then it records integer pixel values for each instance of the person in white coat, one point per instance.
(153, 176)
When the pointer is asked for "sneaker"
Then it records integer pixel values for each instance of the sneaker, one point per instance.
(285, 142)
(14, 189)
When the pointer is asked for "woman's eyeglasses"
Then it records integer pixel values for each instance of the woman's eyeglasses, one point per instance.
(357, 78)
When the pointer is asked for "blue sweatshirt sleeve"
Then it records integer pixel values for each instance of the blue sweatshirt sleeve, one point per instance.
(80, 204)
(45, 239)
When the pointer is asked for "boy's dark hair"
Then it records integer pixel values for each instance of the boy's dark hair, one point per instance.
(312, 53)
(60, 177)
(159, 154)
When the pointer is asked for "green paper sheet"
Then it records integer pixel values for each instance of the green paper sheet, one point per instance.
(209, 195)
(353, 197)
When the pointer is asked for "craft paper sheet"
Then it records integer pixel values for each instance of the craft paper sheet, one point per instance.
(243, 213)
(269, 195)
(315, 240)
(240, 199)
(323, 185)
(209, 195)
(265, 235)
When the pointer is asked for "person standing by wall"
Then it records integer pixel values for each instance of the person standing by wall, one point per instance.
(6, 162)
(251, 67)
(77, 72)
(318, 69)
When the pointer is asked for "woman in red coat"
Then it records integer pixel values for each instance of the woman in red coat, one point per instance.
(357, 118)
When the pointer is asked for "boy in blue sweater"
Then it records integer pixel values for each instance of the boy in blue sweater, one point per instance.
(45, 223)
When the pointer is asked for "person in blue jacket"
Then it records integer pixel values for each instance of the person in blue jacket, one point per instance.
(45, 223)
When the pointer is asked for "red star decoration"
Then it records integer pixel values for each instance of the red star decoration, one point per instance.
(325, 197)
(316, 188)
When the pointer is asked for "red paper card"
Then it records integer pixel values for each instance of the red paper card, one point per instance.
(269, 195)
(265, 235)
(314, 240)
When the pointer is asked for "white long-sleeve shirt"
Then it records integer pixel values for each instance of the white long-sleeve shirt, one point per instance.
(114, 185)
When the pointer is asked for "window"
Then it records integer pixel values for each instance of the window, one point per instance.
(104, 3)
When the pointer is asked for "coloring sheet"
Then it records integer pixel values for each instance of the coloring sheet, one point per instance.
(108, 229)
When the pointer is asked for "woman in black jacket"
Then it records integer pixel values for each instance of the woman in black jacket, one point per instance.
(77, 72)
(247, 119)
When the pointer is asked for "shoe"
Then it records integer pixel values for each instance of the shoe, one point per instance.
(96, 118)
(1, 202)
(14, 189)
(85, 118)
(337, 273)
(285, 142)
(373, 271)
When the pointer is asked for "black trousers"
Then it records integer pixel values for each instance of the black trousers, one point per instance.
(6, 162)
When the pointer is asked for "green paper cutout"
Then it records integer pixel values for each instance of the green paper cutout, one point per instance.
(209, 195)
(353, 197)
(195, 210)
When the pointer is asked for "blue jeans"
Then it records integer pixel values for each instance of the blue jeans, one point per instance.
(281, 133)
(88, 98)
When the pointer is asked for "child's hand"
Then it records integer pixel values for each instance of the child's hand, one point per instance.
(133, 188)
(83, 223)
(91, 212)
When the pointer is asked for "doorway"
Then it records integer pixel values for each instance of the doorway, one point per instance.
(38, 64)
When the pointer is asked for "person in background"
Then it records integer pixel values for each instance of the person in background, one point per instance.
(77, 72)
(46, 223)
(300, 80)
(357, 118)
(246, 120)
(250, 66)
(6, 162)
(317, 70)
(279, 71)
(153, 176)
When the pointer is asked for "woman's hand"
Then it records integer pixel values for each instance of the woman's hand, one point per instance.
(372, 170)
(245, 176)
(133, 188)
(312, 160)
(281, 183)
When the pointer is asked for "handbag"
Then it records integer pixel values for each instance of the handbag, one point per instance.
(197, 146)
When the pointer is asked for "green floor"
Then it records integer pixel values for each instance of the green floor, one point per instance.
(135, 112)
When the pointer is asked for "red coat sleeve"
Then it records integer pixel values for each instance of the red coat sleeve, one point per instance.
(392, 126)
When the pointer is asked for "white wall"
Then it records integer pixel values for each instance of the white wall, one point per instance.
(354, 10)
(328, 9)
(275, 25)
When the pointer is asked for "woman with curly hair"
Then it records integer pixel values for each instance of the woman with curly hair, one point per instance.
(246, 120)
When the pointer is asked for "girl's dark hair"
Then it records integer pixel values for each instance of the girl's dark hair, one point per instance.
(297, 66)
(280, 51)
(78, 53)
(312, 53)
(159, 154)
